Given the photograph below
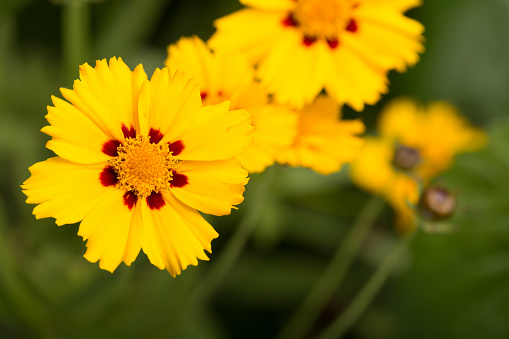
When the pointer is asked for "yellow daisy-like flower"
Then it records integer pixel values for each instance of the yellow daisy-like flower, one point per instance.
(230, 77)
(136, 159)
(304, 46)
(323, 142)
(415, 145)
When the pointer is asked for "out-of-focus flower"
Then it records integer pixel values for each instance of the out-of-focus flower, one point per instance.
(323, 142)
(136, 159)
(415, 145)
(230, 77)
(304, 46)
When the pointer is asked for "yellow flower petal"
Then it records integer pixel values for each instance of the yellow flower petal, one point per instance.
(106, 229)
(175, 235)
(284, 74)
(213, 186)
(217, 134)
(106, 95)
(258, 29)
(193, 57)
(220, 77)
(75, 137)
(278, 5)
(372, 168)
(323, 142)
(392, 35)
(173, 102)
(400, 120)
(352, 81)
(64, 190)
(275, 129)
(398, 5)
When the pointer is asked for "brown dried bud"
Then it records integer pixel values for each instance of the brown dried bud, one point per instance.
(406, 158)
(437, 203)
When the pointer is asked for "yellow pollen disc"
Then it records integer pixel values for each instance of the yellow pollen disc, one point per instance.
(323, 18)
(143, 167)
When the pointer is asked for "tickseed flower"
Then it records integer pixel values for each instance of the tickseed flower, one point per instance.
(136, 159)
(303, 46)
(230, 77)
(415, 145)
(323, 142)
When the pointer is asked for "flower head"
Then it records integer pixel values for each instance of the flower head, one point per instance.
(303, 46)
(415, 145)
(136, 158)
(323, 142)
(230, 77)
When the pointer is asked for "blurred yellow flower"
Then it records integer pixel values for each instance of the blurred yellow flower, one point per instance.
(323, 142)
(415, 145)
(136, 159)
(230, 77)
(304, 46)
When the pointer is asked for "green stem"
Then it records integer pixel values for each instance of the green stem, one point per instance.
(334, 274)
(75, 30)
(232, 250)
(363, 299)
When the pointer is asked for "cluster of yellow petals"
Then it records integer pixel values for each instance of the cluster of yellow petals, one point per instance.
(324, 142)
(230, 77)
(302, 47)
(436, 132)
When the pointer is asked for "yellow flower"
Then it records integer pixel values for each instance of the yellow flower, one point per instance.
(324, 142)
(230, 77)
(136, 159)
(304, 46)
(415, 145)
(437, 132)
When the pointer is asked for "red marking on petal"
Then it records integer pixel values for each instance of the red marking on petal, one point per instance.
(308, 40)
(352, 26)
(130, 199)
(290, 21)
(110, 148)
(333, 43)
(176, 147)
(155, 135)
(203, 95)
(108, 176)
(155, 201)
(178, 180)
(128, 132)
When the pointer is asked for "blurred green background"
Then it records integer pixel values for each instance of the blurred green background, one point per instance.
(448, 285)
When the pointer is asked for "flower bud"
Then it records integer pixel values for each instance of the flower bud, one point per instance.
(406, 158)
(437, 203)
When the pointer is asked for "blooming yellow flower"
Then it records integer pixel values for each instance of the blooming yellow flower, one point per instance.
(136, 159)
(304, 46)
(323, 142)
(230, 77)
(415, 145)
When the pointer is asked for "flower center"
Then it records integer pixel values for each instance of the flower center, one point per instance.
(143, 167)
(323, 18)
(406, 158)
